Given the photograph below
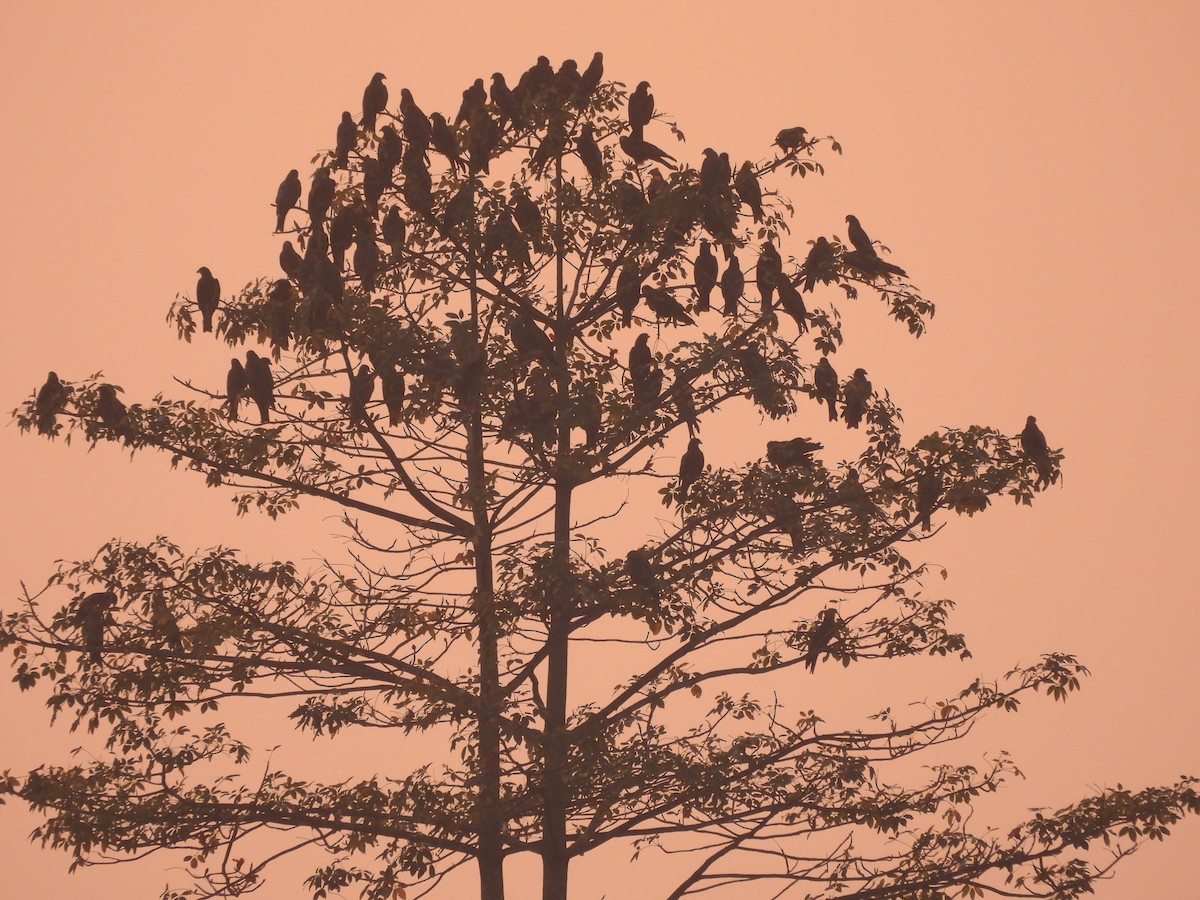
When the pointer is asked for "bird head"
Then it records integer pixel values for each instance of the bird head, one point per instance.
(644, 339)
(853, 220)
(1031, 421)
(860, 373)
(379, 76)
(203, 270)
(643, 85)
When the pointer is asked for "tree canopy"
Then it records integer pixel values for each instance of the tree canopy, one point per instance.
(490, 326)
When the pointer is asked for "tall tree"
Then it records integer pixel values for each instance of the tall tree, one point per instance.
(493, 315)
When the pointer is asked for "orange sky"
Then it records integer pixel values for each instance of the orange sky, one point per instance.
(1031, 165)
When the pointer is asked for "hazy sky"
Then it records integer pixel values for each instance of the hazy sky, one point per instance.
(1031, 165)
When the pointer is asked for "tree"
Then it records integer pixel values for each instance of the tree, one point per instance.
(485, 319)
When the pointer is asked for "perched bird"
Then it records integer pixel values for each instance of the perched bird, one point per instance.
(113, 413)
(393, 386)
(858, 237)
(789, 454)
(482, 140)
(395, 231)
(649, 387)
(528, 216)
(566, 81)
(165, 625)
(641, 571)
(445, 141)
(375, 98)
(929, 493)
(642, 151)
(289, 260)
(685, 403)
(818, 265)
(790, 139)
(768, 274)
(589, 153)
(733, 284)
(856, 395)
(414, 122)
(534, 82)
(824, 631)
(50, 400)
(281, 306)
(851, 494)
(287, 197)
(1037, 451)
(362, 389)
(551, 147)
(208, 296)
(871, 265)
(704, 270)
(320, 195)
(642, 367)
(588, 414)
(825, 380)
(714, 174)
(341, 234)
(90, 618)
(391, 149)
(641, 108)
(235, 386)
(792, 302)
(529, 340)
(628, 292)
(746, 185)
(347, 140)
(366, 257)
(691, 465)
(474, 98)
(590, 79)
(260, 385)
(502, 96)
(664, 306)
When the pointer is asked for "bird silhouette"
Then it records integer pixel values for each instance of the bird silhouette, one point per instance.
(824, 631)
(825, 380)
(641, 107)
(792, 303)
(733, 284)
(794, 453)
(482, 140)
(664, 306)
(642, 572)
(590, 79)
(91, 616)
(642, 151)
(395, 231)
(445, 141)
(529, 340)
(394, 389)
(503, 97)
(164, 624)
(691, 466)
(818, 265)
(589, 154)
(745, 183)
(790, 139)
(414, 122)
(1037, 451)
(856, 395)
(929, 493)
(474, 98)
(346, 140)
(208, 296)
(50, 400)
(235, 386)
(320, 195)
(375, 98)
(287, 197)
(260, 385)
(704, 271)
(289, 260)
(362, 389)
(768, 274)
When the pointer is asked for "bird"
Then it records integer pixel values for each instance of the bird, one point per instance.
(482, 138)
(826, 628)
(503, 97)
(445, 141)
(362, 389)
(855, 396)
(1037, 451)
(641, 365)
(733, 283)
(851, 493)
(768, 274)
(414, 122)
(281, 305)
(50, 400)
(566, 81)
(790, 139)
(375, 98)
(858, 237)
(588, 414)
(641, 571)
(287, 197)
(704, 270)
(818, 265)
(534, 81)
(164, 624)
(366, 258)
(341, 234)
(394, 230)
(691, 465)
(628, 292)
(320, 195)
(90, 618)
(641, 107)
(685, 403)
(551, 146)
(473, 98)
(642, 151)
(529, 340)
(393, 386)
(391, 148)
(796, 452)
(664, 306)
(871, 265)
(589, 80)
(589, 153)
(714, 174)
(346, 140)
(745, 183)
(260, 385)
(113, 413)
(235, 386)
(528, 216)
(825, 380)
(208, 296)
(929, 492)
(792, 302)
(289, 260)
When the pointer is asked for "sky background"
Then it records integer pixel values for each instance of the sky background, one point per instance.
(1031, 165)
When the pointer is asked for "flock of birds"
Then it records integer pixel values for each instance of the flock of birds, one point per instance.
(468, 143)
